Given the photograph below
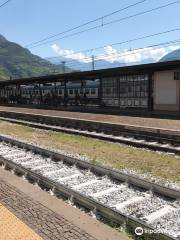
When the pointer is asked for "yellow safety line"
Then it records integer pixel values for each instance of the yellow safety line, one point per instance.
(11, 228)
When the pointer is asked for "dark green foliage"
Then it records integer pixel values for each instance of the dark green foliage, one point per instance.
(19, 62)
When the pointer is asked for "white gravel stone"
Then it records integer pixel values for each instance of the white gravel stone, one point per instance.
(119, 196)
(146, 207)
(127, 199)
(170, 223)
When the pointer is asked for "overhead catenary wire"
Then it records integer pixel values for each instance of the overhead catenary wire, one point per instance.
(172, 42)
(87, 23)
(76, 66)
(129, 52)
(132, 51)
(3, 4)
(107, 23)
(120, 43)
(72, 64)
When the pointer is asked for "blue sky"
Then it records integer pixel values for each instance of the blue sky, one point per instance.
(25, 21)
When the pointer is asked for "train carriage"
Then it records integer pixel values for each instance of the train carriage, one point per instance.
(49, 93)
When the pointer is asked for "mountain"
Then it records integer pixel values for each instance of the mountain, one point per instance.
(2, 39)
(19, 62)
(100, 64)
(174, 55)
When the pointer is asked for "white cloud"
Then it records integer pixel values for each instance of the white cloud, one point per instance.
(70, 54)
(128, 56)
(111, 54)
(110, 50)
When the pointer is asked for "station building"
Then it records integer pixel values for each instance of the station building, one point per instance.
(152, 87)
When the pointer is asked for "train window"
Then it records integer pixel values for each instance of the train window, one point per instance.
(87, 91)
(60, 91)
(93, 91)
(71, 91)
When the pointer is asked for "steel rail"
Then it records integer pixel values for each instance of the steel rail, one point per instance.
(81, 199)
(165, 140)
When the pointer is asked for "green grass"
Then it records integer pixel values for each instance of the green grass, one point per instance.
(103, 153)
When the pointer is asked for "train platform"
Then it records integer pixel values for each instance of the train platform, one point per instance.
(12, 228)
(144, 121)
(29, 213)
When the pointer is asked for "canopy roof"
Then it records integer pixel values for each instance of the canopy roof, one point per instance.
(92, 75)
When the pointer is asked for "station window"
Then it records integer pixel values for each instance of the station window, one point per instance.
(107, 91)
(110, 87)
(129, 89)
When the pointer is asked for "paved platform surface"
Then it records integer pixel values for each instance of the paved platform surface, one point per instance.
(49, 217)
(130, 120)
(11, 228)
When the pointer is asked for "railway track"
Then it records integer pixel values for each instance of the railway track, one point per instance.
(143, 137)
(110, 194)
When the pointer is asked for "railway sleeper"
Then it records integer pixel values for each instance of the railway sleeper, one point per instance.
(97, 207)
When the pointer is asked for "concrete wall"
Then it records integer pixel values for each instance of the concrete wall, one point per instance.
(166, 91)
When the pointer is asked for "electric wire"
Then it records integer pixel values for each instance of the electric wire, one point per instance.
(119, 43)
(130, 52)
(108, 23)
(3, 4)
(87, 23)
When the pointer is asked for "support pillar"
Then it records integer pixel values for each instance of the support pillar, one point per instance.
(150, 92)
